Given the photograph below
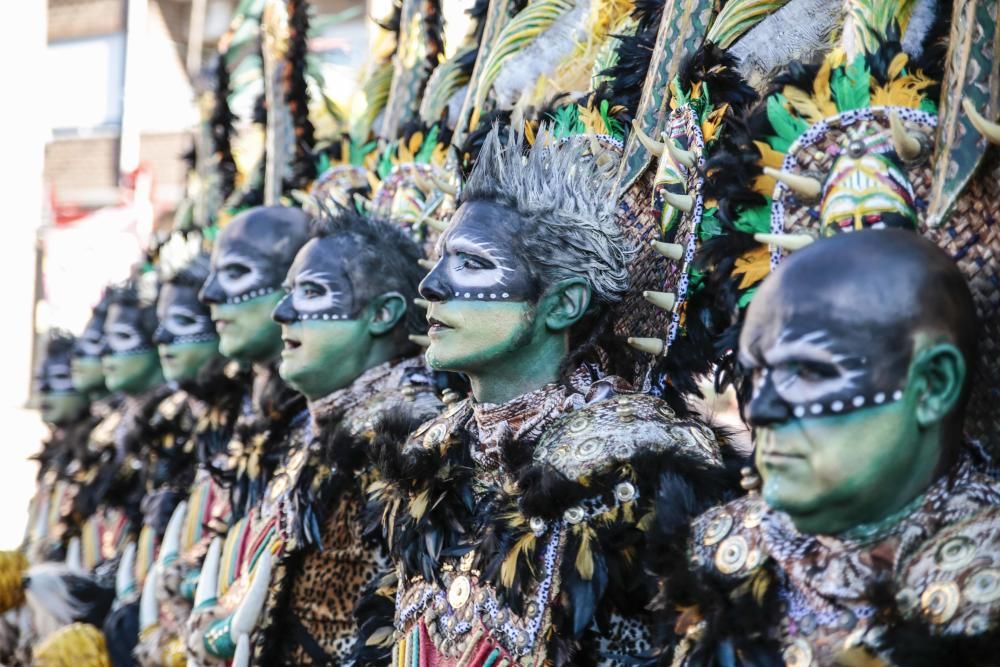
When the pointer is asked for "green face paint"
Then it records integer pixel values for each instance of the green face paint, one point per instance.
(62, 407)
(132, 373)
(320, 357)
(830, 474)
(183, 361)
(855, 370)
(469, 336)
(246, 331)
(88, 374)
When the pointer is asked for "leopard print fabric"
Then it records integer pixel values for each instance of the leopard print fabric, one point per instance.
(327, 587)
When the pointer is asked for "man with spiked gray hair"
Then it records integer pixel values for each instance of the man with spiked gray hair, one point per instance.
(514, 519)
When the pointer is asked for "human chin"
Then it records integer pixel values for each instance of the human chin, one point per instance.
(184, 361)
(825, 472)
(87, 373)
(61, 407)
(469, 335)
(129, 372)
(317, 356)
(246, 330)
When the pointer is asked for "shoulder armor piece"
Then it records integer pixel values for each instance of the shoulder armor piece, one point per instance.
(435, 432)
(420, 401)
(727, 539)
(952, 583)
(170, 406)
(607, 433)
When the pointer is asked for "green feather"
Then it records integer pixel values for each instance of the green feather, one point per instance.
(426, 151)
(851, 86)
(754, 220)
(613, 126)
(787, 127)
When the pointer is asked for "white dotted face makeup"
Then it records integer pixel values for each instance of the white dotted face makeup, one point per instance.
(807, 374)
(182, 318)
(478, 261)
(317, 288)
(124, 332)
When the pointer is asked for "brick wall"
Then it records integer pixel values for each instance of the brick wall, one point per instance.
(162, 154)
(83, 171)
(73, 19)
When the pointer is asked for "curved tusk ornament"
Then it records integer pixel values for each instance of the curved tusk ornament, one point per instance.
(149, 612)
(125, 576)
(990, 130)
(444, 186)
(172, 536)
(422, 341)
(680, 155)
(245, 616)
(908, 146)
(662, 300)
(806, 186)
(653, 346)
(651, 145)
(674, 251)
(788, 242)
(208, 578)
(683, 203)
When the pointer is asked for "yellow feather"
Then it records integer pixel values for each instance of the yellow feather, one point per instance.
(418, 506)
(898, 64)
(803, 104)
(768, 158)
(529, 132)
(906, 91)
(822, 93)
(403, 155)
(415, 141)
(508, 569)
(585, 556)
(710, 126)
(754, 266)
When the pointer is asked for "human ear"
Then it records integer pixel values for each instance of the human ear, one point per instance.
(939, 375)
(565, 303)
(386, 310)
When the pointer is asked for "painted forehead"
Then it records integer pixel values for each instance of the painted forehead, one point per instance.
(128, 328)
(182, 317)
(174, 296)
(319, 283)
(479, 258)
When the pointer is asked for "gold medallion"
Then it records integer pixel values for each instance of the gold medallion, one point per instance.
(459, 591)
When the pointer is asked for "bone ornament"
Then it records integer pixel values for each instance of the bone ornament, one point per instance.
(653, 346)
(241, 658)
(422, 341)
(125, 576)
(662, 300)
(149, 610)
(683, 203)
(245, 617)
(651, 145)
(674, 251)
(787, 242)
(990, 130)
(208, 579)
(909, 146)
(170, 549)
(681, 156)
(805, 186)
